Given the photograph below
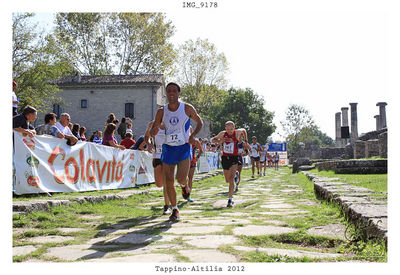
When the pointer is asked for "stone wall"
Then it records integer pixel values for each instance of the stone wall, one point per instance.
(372, 134)
(374, 166)
(105, 100)
(372, 148)
(383, 145)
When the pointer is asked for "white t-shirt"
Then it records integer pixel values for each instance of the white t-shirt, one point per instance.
(14, 98)
(65, 130)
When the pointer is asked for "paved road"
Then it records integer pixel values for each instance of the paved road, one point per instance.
(208, 231)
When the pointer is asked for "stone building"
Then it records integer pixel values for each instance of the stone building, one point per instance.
(90, 99)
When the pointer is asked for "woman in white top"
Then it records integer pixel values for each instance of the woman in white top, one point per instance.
(255, 156)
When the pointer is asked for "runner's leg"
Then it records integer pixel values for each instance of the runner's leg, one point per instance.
(169, 176)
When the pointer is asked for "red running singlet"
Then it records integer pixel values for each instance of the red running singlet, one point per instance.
(231, 147)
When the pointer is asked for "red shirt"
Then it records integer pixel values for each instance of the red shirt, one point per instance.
(230, 148)
(128, 142)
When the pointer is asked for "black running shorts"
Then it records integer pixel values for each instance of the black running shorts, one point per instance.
(156, 162)
(255, 158)
(229, 161)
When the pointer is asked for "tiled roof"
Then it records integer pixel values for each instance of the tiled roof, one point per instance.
(109, 79)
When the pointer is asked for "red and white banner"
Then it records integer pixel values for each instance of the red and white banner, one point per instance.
(44, 164)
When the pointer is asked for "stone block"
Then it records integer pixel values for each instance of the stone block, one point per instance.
(359, 149)
(383, 145)
(372, 148)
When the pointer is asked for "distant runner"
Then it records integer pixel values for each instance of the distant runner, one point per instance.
(255, 156)
(230, 138)
(196, 152)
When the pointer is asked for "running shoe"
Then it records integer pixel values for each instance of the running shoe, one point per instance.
(175, 215)
(185, 192)
(264, 174)
(167, 210)
(237, 188)
(252, 176)
(236, 179)
(230, 203)
(190, 199)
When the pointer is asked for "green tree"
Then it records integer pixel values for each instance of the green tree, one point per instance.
(201, 71)
(141, 43)
(246, 109)
(35, 63)
(81, 38)
(199, 63)
(203, 99)
(299, 126)
(119, 43)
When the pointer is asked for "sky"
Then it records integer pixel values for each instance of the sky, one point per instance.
(320, 60)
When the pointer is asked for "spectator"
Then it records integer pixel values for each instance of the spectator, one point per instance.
(92, 136)
(22, 122)
(128, 141)
(109, 139)
(140, 144)
(15, 99)
(70, 126)
(75, 131)
(116, 122)
(49, 128)
(111, 118)
(98, 137)
(82, 131)
(129, 128)
(62, 125)
(122, 128)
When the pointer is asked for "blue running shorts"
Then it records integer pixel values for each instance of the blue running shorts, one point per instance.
(172, 155)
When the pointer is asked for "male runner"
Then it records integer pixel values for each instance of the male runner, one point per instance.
(230, 153)
(263, 159)
(176, 117)
(193, 163)
(243, 151)
(255, 156)
(155, 146)
(276, 160)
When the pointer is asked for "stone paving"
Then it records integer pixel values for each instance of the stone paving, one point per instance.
(207, 232)
(365, 210)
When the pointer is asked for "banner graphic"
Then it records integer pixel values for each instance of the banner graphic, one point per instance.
(47, 164)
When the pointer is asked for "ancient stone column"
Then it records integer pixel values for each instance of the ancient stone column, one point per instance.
(353, 115)
(378, 122)
(382, 114)
(338, 124)
(345, 116)
(345, 122)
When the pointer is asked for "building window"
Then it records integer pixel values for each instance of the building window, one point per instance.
(84, 103)
(129, 110)
(57, 110)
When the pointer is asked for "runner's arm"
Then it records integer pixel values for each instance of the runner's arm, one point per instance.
(192, 113)
(199, 148)
(157, 121)
(218, 138)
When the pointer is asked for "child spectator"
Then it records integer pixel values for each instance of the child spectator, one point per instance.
(75, 131)
(129, 128)
(98, 138)
(128, 141)
(111, 118)
(122, 128)
(109, 139)
(82, 131)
